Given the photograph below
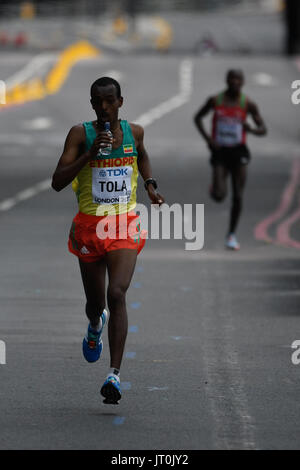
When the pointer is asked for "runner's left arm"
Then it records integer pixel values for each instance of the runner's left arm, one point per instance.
(144, 165)
(260, 128)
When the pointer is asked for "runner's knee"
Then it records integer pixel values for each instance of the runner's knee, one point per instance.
(115, 295)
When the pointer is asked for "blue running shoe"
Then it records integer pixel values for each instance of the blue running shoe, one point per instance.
(111, 390)
(92, 343)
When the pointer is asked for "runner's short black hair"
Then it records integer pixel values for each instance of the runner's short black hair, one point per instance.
(235, 72)
(104, 81)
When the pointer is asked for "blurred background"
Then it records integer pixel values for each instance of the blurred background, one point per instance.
(195, 26)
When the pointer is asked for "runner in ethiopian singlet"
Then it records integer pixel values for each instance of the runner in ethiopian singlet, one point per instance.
(106, 234)
(108, 184)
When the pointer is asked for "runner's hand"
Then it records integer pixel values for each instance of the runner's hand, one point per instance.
(101, 141)
(247, 128)
(154, 196)
(213, 146)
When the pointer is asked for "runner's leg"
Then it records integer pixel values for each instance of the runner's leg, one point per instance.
(219, 183)
(93, 278)
(120, 265)
(238, 180)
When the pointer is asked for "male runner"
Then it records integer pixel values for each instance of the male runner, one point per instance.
(229, 152)
(105, 186)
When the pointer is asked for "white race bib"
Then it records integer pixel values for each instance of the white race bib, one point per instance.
(229, 132)
(112, 185)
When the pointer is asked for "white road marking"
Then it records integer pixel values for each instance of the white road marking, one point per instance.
(264, 79)
(2, 92)
(30, 69)
(39, 123)
(185, 90)
(2, 352)
(7, 204)
(27, 193)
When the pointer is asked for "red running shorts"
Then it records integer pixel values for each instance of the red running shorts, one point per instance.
(91, 236)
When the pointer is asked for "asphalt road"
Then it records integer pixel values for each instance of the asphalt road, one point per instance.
(208, 355)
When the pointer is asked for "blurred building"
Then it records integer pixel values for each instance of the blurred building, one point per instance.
(125, 12)
(94, 7)
(292, 15)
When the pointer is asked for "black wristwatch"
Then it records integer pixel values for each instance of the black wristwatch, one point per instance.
(150, 181)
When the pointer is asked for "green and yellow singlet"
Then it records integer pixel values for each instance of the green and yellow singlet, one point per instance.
(107, 185)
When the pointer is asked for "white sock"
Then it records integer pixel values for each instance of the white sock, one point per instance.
(100, 324)
(114, 372)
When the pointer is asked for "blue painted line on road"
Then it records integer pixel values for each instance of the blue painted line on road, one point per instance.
(152, 389)
(139, 269)
(135, 305)
(133, 329)
(177, 338)
(137, 285)
(126, 385)
(130, 354)
(118, 420)
(186, 288)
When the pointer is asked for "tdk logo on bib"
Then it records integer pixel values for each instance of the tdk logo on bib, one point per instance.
(111, 172)
(112, 185)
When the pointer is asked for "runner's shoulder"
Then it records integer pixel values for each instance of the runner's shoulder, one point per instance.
(212, 100)
(251, 105)
(218, 98)
(137, 131)
(77, 133)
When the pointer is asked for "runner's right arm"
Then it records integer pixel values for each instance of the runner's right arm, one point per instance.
(198, 119)
(254, 112)
(72, 160)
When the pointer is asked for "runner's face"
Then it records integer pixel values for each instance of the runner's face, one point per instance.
(235, 83)
(106, 103)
